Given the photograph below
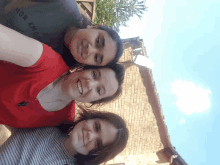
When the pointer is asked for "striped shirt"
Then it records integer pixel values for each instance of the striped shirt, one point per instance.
(38, 146)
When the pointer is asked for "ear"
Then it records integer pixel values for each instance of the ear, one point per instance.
(92, 26)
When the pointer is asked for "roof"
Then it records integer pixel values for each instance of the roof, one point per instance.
(154, 100)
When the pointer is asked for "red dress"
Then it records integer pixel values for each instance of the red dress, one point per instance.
(20, 84)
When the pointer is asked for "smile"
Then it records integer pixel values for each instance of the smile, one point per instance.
(79, 86)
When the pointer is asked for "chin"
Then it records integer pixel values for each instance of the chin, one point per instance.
(77, 57)
(81, 151)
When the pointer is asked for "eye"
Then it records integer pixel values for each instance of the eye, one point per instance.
(97, 126)
(94, 74)
(98, 40)
(98, 59)
(98, 90)
(103, 42)
(99, 144)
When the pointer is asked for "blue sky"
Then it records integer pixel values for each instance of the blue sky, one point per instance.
(182, 38)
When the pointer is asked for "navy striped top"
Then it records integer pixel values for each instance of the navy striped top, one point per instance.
(38, 146)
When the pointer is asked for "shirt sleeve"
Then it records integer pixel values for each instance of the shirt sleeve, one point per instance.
(48, 54)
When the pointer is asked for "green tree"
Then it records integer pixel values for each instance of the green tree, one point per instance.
(105, 13)
(116, 13)
(127, 9)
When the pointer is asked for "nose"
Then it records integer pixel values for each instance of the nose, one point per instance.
(88, 49)
(91, 84)
(92, 135)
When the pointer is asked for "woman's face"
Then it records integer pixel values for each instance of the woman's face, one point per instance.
(92, 134)
(90, 85)
(92, 47)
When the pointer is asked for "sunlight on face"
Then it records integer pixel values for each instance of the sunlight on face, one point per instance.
(92, 134)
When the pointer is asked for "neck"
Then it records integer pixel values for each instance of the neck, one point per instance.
(59, 87)
(69, 148)
(69, 35)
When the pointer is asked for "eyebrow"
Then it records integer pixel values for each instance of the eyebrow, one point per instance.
(101, 58)
(101, 132)
(103, 45)
(101, 145)
(103, 41)
(99, 73)
(102, 87)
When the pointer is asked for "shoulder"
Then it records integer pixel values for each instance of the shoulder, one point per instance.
(70, 9)
(50, 60)
(38, 134)
(43, 130)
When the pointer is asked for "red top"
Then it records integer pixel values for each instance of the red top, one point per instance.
(20, 84)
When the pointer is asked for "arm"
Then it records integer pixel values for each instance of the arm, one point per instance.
(18, 49)
(11, 129)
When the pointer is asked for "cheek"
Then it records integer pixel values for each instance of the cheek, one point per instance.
(90, 59)
(90, 147)
(73, 47)
(93, 96)
(84, 150)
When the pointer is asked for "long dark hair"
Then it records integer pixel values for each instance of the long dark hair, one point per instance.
(109, 151)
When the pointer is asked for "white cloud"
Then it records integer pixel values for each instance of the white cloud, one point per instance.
(182, 121)
(135, 27)
(191, 98)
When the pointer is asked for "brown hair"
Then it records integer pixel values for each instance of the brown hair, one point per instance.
(107, 152)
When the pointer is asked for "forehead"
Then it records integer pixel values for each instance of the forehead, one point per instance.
(108, 131)
(109, 81)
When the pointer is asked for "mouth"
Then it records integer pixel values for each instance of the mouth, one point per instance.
(79, 86)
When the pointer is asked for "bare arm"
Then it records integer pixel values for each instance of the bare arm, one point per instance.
(18, 48)
(9, 128)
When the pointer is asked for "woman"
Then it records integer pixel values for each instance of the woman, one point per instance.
(39, 91)
(95, 137)
(58, 23)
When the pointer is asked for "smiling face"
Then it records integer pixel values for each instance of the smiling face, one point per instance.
(92, 47)
(90, 85)
(92, 134)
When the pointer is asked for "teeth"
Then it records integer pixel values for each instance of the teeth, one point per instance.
(79, 85)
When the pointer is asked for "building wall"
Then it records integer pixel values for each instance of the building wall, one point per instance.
(144, 138)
